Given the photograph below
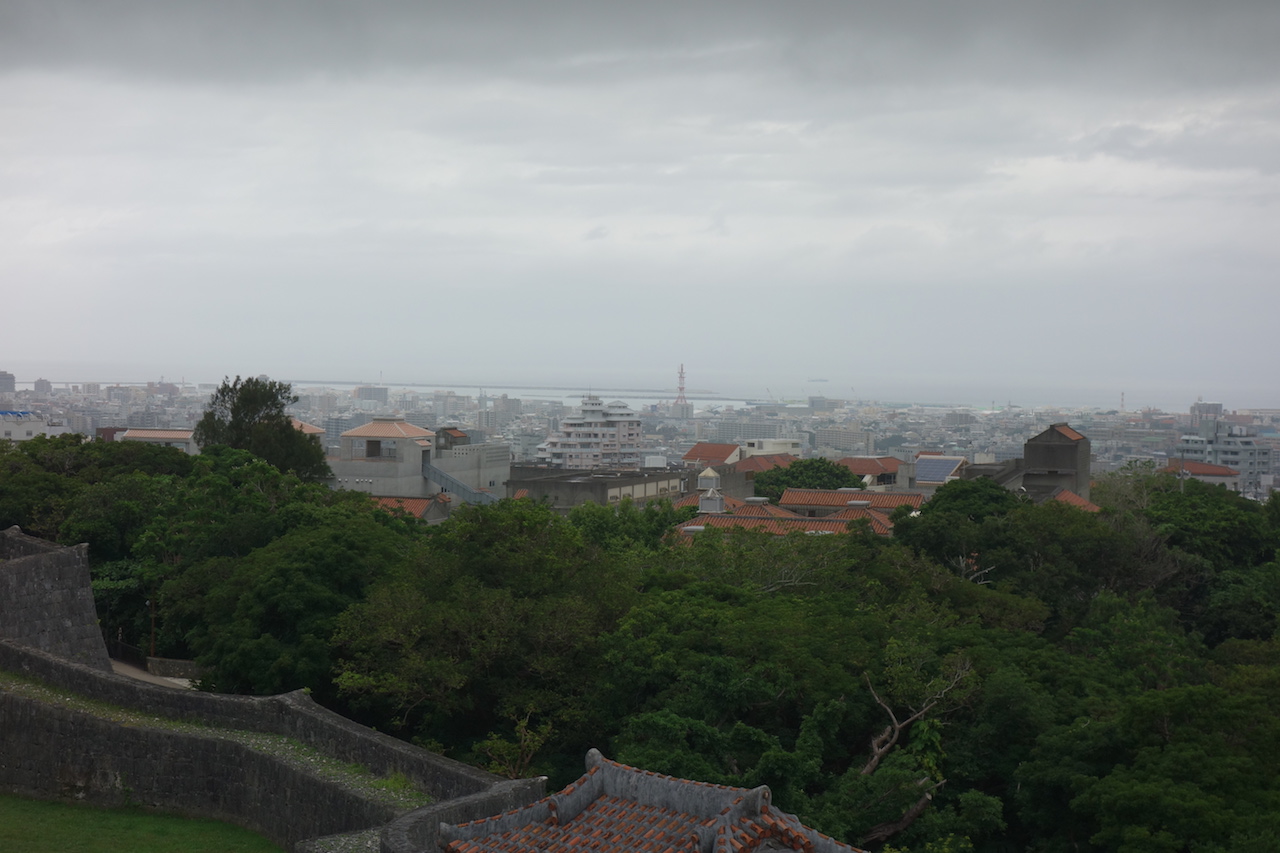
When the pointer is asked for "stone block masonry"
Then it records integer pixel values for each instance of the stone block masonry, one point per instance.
(65, 753)
(46, 601)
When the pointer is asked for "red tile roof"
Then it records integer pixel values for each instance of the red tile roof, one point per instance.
(1069, 497)
(1200, 469)
(871, 465)
(618, 809)
(379, 428)
(820, 498)
(520, 494)
(1068, 432)
(306, 428)
(730, 502)
(764, 462)
(710, 453)
(762, 511)
(880, 522)
(417, 507)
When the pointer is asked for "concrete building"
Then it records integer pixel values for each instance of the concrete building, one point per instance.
(1219, 443)
(598, 435)
(179, 438)
(1059, 457)
(22, 425)
(390, 457)
(8, 383)
(564, 490)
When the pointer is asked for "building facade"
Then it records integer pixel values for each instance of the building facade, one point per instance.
(598, 435)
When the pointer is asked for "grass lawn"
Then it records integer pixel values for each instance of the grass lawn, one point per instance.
(32, 826)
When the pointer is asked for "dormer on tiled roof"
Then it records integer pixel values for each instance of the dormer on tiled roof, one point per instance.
(614, 808)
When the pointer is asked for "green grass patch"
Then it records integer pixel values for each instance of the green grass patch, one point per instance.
(34, 826)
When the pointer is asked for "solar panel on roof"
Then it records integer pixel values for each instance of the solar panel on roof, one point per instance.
(934, 469)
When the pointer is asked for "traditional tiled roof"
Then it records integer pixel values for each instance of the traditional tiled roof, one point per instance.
(872, 466)
(764, 462)
(764, 510)
(829, 498)
(776, 526)
(730, 502)
(1067, 432)
(618, 809)
(880, 522)
(417, 507)
(1200, 469)
(1069, 497)
(140, 434)
(520, 494)
(388, 428)
(306, 428)
(710, 453)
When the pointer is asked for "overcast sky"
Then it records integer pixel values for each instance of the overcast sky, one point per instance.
(987, 200)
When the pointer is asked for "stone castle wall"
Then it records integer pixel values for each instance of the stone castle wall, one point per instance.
(56, 753)
(46, 601)
(49, 633)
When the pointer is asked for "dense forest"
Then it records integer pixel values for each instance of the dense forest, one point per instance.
(998, 676)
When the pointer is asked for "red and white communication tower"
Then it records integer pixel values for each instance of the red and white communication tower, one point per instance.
(680, 400)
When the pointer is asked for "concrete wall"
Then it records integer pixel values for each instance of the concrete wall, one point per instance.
(46, 601)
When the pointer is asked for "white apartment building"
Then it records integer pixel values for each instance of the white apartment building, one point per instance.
(1218, 443)
(598, 435)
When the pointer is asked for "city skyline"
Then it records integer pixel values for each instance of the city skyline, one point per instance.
(1037, 202)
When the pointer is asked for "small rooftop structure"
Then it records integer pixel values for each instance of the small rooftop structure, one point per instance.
(614, 808)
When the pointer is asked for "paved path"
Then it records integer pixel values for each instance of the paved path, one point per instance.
(121, 668)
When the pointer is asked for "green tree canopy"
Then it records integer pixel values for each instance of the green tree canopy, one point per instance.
(804, 474)
(249, 414)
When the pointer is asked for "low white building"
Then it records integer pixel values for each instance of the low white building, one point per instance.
(22, 426)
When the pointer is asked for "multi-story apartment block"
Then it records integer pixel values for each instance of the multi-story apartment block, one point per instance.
(598, 435)
(1219, 443)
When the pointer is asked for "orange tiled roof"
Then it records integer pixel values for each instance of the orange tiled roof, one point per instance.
(730, 502)
(618, 809)
(306, 428)
(764, 462)
(762, 511)
(137, 433)
(880, 522)
(776, 526)
(417, 507)
(1068, 432)
(1069, 497)
(872, 466)
(713, 454)
(388, 429)
(520, 494)
(834, 498)
(1200, 469)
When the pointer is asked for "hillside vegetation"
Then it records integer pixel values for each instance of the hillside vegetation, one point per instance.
(998, 677)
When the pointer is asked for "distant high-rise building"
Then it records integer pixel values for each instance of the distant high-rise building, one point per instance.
(7, 382)
(371, 392)
(598, 435)
(43, 386)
